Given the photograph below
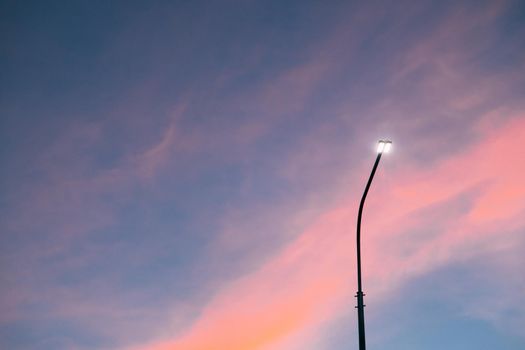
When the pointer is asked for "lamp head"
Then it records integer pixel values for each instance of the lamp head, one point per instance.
(384, 146)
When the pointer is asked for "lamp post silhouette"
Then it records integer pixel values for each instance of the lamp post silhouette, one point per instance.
(383, 146)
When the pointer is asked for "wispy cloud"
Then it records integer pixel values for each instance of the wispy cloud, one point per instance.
(211, 202)
(309, 281)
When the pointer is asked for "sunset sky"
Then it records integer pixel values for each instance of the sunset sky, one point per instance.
(185, 175)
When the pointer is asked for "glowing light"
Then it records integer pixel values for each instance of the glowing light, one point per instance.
(384, 146)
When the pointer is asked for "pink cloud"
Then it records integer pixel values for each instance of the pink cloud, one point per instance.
(312, 279)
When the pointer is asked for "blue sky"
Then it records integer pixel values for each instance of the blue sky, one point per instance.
(186, 175)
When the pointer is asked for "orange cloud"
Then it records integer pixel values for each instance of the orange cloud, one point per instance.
(290, 292)
(311, 280)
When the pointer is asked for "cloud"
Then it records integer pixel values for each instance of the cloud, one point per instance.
(311, 280)
(452, 186)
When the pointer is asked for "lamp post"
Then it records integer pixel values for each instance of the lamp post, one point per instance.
(383, 146)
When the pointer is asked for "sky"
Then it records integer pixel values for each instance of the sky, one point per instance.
(185, 175)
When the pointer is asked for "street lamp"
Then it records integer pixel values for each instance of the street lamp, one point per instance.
(383, 146)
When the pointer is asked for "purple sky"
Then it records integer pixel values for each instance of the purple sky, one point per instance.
(185, 175)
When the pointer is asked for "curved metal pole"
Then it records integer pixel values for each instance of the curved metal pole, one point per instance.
(359, 295)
